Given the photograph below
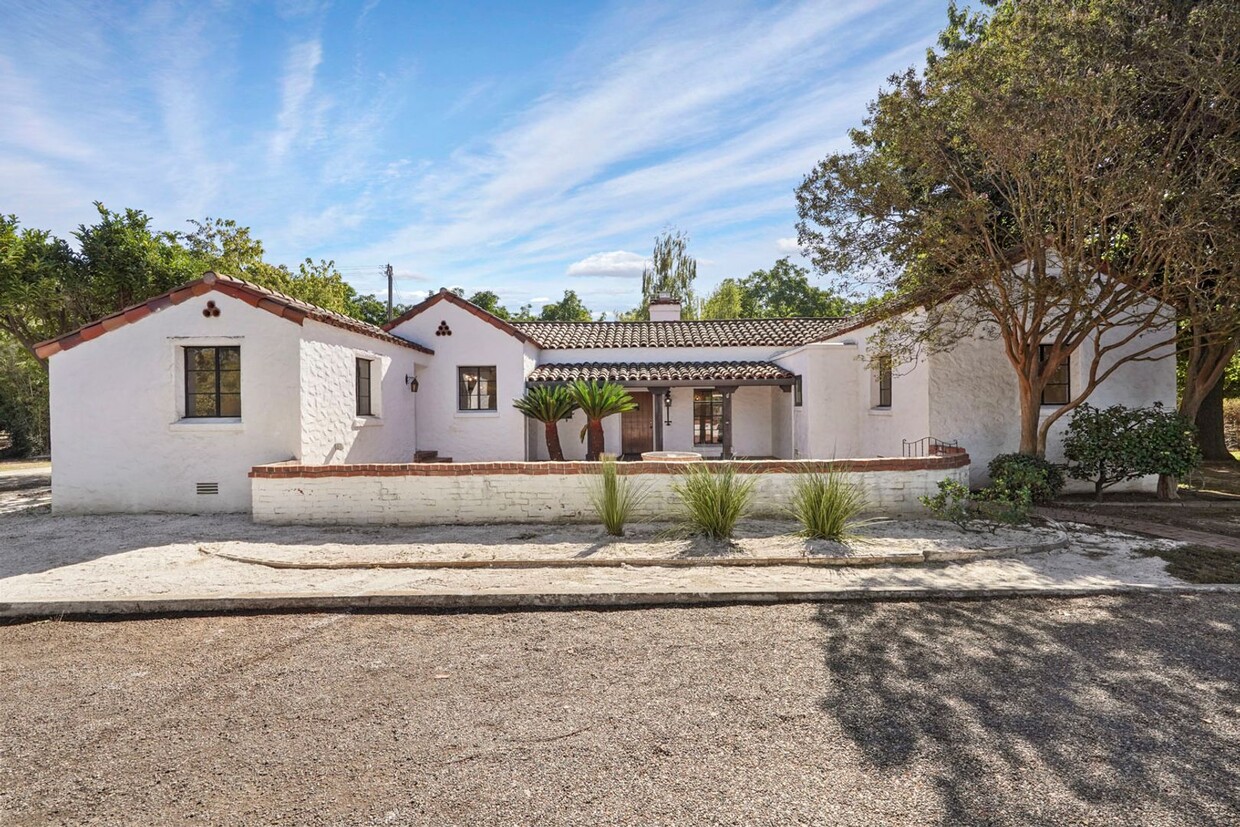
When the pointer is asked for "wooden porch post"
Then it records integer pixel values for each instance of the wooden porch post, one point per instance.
(658, 416)
(727, 420)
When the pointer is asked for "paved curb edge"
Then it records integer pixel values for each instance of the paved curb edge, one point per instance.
(405, 601)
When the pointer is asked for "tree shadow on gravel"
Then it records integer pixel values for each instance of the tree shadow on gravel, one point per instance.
(1037, 712)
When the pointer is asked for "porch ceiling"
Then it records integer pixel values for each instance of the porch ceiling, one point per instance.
(666, 373)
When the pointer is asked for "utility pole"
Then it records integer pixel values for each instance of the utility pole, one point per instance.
(388, 270)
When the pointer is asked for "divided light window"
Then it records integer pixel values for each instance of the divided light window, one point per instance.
(212, 381)
(707, 417)
(1058, 390)
(476, 388)
(363, 387)
(884, 382)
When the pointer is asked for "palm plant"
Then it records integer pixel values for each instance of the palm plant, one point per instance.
(713, 501)
(598, 400)
(828, 506)
(615, 497)
(548, 405)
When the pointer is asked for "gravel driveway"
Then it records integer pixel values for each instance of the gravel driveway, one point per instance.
(1118, 710)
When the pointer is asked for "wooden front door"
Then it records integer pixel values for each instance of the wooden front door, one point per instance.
(637, 425)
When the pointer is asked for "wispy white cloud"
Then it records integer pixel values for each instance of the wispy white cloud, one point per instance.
(618, 263)
(702, 116)
(297, 84)
(787, 245)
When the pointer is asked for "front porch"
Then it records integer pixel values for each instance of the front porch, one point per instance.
(722, 410)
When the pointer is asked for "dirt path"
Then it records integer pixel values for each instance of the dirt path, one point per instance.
(1101, 711)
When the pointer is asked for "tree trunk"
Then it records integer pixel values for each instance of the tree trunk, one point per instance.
(1099, 484)
(594, 440)
(1167, 487)
(554, 450)
(1030, 415)
(1209, 420)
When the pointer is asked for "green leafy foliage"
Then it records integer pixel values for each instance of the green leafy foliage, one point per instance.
(615, 497)
(1108, 446)
(1043, 479)
(548, 404)
(713, 501)
(990, 508)
(567, 309)
(23, 400)
(782, 291)
(828, 506)
(672, 270)
(598, 400)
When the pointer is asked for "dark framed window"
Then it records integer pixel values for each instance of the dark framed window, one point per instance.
(212, 381)
(707, 417)
(1058, 390)
(476, 388)
(797, 398)
(884, 382)
(363, 387)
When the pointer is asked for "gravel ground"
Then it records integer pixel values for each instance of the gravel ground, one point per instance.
(1118, 710)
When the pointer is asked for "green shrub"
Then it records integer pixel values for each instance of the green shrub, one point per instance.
(1110, 445)
(828, 506)
(1042, 478)
(988, 508)
(615, 497)
(713, 501)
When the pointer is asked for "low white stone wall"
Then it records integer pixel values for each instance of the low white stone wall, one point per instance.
(472, 493)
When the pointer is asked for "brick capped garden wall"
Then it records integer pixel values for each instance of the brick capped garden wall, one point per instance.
(492, 492)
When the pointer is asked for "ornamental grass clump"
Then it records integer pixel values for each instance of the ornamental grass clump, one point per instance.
(712, 502)
(828, 506)
(615, 498)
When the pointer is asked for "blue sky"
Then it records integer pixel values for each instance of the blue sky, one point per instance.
(519, 147)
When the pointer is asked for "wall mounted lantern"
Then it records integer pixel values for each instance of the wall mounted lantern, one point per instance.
(412, 382)
(667, 407)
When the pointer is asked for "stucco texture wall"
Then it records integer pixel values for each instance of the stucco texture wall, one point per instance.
(468, 435)
(331, 430)
(974, 398)
(119, 440)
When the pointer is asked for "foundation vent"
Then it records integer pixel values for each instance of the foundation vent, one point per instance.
(207, 487)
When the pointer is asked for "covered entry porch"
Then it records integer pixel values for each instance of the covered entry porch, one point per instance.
(718, 409)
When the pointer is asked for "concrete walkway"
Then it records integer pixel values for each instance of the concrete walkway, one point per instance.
(153, 564)
(1125, 523)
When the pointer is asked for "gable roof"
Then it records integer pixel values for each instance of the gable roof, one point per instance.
(279, 304)
(788, 332)
(446, 295)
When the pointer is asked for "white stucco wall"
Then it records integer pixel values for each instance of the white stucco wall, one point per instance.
(468, 435)
(883, 430)
(480, 497)
(119, 442)
(826, 425)
(974, 398)
(331, 431)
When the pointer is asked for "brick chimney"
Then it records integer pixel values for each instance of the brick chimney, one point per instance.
(665, 308)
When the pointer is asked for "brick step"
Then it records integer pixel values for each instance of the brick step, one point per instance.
(425, 456)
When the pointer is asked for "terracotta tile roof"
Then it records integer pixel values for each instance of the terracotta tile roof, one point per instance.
(663, 372)
(715, 333)
(287, 307)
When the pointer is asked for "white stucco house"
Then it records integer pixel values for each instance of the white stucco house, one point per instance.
(166, 406)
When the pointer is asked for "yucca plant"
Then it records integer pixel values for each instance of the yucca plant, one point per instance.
(615, 497)
(713, 501)
(548, 405)
(598, 400)
(828, 506)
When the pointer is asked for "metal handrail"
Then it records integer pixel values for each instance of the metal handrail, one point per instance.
(926, 446)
